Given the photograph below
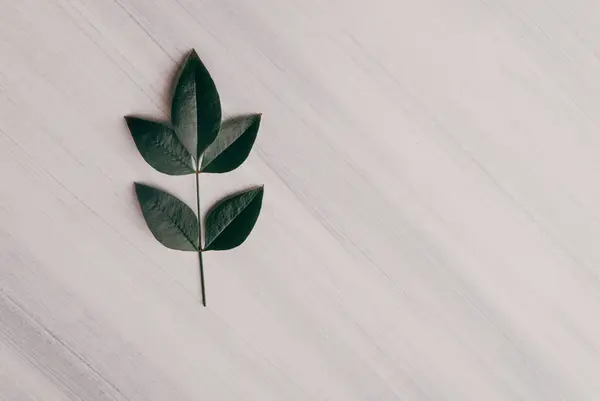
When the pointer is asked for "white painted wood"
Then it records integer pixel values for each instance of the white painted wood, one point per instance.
(431, 220)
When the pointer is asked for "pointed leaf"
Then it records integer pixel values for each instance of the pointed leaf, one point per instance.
(232, 145)
(230, 222)
(170, 220)
(196, 108)
(160, 147)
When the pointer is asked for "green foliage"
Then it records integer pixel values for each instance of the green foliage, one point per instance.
(196, 142)
(171, 221)
(230, 222)
(232, 145)
(160, 147)
(196, 107)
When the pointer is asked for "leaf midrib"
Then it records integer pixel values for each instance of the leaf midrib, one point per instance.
(217, 155)
(229, 222)
(229, 145)
(197, 112)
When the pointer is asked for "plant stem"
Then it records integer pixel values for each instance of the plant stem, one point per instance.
(200, 239)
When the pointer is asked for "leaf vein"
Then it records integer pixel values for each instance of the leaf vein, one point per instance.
(174, 154)
(165, 213)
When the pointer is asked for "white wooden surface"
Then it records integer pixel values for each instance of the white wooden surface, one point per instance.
(431, 223)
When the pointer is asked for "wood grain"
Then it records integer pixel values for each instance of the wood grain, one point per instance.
(431, 218)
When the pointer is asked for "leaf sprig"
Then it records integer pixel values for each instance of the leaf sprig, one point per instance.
(195, 141)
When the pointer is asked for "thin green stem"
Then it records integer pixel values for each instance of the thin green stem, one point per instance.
(200, 239)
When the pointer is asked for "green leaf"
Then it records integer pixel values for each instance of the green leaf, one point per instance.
(170, 220)
(230, 222)
(160, 147)
(196, 108)
(232, 145)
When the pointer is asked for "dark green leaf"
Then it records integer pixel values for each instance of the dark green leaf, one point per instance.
(229, 223)
(160, 147)
(232, 145)
(171, 221)
(196, 108)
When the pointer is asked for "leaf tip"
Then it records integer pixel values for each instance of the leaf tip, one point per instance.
(129, 120)
(255, 120)
(139, 186)
(259, 192)
(193, 55)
